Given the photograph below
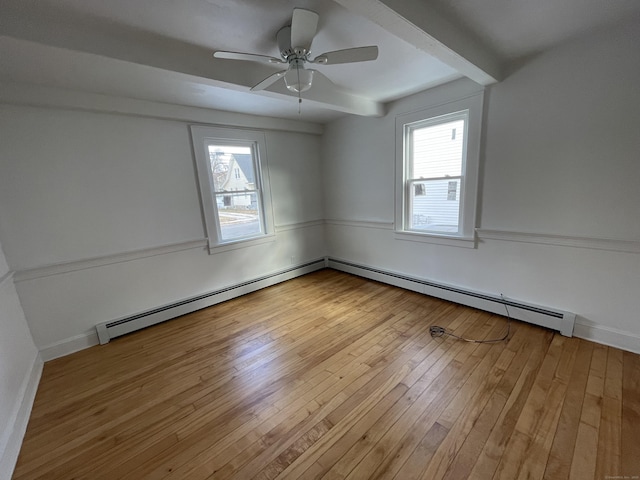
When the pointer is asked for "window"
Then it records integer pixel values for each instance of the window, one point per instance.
(434, 173)
(437, 164)
(233, 185)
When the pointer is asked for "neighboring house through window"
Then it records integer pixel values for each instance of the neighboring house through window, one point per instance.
(234, 184)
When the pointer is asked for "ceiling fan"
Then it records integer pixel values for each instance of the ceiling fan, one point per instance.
(294, 43)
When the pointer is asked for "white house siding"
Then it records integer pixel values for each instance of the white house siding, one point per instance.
(436, 209)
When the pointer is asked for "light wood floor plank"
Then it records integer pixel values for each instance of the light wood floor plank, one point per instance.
(630, 446)
(561, 454)
(337, 377)
(610, 432)
(584, 461)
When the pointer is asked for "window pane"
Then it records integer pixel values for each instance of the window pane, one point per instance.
(238, 214)
(232, 168)
(437, 150)
(435, 205)
(236, 195)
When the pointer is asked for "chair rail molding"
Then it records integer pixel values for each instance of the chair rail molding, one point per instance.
(82, 264)
(612, 244)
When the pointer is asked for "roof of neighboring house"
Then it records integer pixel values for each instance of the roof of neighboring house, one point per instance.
(245, 162)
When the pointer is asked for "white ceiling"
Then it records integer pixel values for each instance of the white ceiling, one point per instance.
(161, 50)
(520, 28)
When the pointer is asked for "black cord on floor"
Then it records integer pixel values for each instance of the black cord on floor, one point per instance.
(437, 331)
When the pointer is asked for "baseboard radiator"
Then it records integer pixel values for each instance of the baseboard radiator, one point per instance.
(545, 317)
(108, 330)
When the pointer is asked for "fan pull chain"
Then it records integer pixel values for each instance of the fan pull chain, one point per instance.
(299, 94)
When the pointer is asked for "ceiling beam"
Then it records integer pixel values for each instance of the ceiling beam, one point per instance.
(419, 24)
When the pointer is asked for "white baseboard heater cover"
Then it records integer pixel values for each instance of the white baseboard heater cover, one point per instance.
(545, 317)
(115, 328)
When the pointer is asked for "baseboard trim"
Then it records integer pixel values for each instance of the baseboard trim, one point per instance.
(547, 317)
(68, 346)
(19, 421)
(115, 328)
(611, 337)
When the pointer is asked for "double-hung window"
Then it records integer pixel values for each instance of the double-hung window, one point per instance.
(234, 185)
(435, 153)
(437, 163)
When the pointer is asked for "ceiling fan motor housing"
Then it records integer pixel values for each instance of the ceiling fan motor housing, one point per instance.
(283, 37)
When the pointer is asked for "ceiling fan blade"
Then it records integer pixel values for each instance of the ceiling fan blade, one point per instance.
(268, 81)
(303, 28)
(348, 55)
(252, 57)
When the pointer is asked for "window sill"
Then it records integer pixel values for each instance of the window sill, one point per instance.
(449, 240)
(237, 244)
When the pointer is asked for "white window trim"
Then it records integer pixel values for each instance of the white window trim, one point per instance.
(202, 136)
(469, 190)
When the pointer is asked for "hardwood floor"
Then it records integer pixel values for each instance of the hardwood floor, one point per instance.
(333, 376)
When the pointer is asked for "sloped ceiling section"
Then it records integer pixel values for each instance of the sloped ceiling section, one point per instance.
(78, 44)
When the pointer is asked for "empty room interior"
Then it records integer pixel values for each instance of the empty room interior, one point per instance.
(337, 239)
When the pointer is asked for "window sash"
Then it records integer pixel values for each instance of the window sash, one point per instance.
(233, 192)
(437, 148)
(240, 222)
(224, 231)
(447, 177)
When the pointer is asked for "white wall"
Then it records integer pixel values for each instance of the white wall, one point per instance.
(563, 141)
(94, 195)
(79, 185)
(560, 171)
(20, 368)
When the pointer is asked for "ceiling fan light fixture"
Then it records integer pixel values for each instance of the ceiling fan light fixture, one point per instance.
(298, 79)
